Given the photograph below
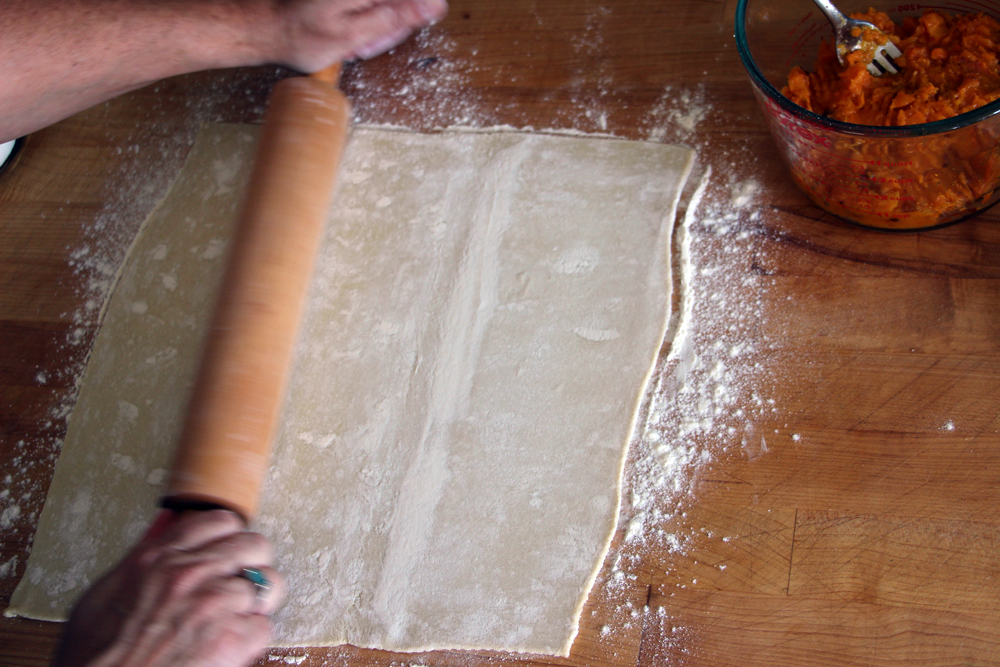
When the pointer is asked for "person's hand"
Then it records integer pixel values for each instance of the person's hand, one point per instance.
(318, 33)
(179, 599)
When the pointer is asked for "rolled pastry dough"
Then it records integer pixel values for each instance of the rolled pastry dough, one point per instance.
(486, 310)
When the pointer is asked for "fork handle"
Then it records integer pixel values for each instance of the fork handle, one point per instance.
(835, 16)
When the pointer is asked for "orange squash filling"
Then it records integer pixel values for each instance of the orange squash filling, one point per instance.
(950, 65)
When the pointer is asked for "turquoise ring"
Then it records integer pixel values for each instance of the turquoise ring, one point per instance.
(259, 581)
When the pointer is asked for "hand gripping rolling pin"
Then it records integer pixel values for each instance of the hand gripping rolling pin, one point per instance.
(223, 452)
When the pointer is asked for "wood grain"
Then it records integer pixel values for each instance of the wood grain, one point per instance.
(850, 520)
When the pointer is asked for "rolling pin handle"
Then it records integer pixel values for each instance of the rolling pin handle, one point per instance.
(329, 74)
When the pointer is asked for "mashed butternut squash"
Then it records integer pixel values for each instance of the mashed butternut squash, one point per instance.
(950, 65)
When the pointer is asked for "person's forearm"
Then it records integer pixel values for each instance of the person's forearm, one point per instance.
(61, 56)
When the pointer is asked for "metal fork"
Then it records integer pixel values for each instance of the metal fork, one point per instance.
(847, 41)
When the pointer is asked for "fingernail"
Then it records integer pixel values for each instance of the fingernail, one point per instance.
(382, 44)
(432, 10)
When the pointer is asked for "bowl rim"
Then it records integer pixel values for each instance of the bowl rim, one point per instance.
(899, 131)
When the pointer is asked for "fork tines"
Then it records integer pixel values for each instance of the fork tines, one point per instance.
(882, 60)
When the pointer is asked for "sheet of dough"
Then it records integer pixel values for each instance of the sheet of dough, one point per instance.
(484, 317)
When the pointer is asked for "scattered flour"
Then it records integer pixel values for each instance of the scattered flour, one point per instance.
(711, 387)
(10, 514)
(213, 249)
(21, 497)
(7, 568)
(677, 114)
(157, 477)
(429, 73)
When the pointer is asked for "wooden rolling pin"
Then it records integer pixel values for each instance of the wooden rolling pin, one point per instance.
(223, 452)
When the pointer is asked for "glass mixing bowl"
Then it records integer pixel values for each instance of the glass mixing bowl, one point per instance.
(891, 178)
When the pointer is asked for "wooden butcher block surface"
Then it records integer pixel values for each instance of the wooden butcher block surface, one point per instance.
(819, 483)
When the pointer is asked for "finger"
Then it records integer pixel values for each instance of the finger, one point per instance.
(205, 632)
(232, 553)
(177, 546)
(232, 595)
(379, 28)
(178, 572)
(244, 594)
(173, 575)
(239, 643)
(238, 594)
(382, 44)
(429, 10)
(193, 530)
(267, 598)
(255, 636)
